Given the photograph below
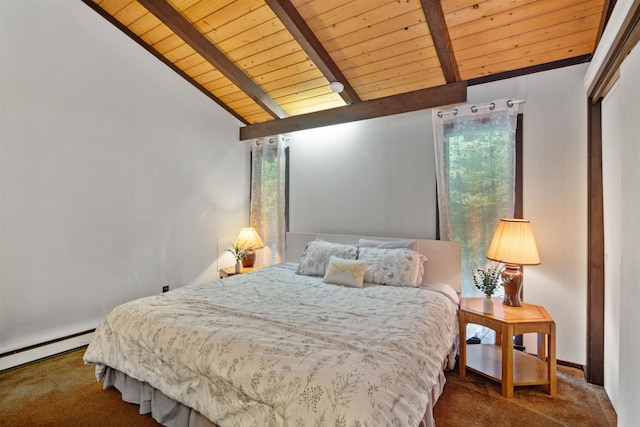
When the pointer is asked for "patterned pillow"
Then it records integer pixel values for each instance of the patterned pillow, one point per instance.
(347, 272)
(316, 255)
(394, 267)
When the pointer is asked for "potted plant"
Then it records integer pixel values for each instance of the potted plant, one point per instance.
(239, 251)
(487, 280)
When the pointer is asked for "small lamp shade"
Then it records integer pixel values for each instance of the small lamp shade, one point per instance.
(248, 237)
(514, 245)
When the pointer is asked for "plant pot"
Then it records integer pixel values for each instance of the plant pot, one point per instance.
(238, 267)
(487, 305)
(249, 259)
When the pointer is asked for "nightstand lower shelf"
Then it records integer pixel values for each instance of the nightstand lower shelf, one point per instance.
(504, 364)
(486, 360)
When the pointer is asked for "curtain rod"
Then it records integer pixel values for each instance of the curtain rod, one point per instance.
(474, 109)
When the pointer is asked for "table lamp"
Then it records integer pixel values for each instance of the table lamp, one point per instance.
(248, 237)
(514, 245)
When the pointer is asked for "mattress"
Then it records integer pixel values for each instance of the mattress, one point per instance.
(276, 348)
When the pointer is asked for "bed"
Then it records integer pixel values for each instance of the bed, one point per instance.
(318, 340)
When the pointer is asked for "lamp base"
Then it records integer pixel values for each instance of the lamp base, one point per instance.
(512, 281)
(249, 259)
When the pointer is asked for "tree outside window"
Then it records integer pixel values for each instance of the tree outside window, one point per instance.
(268, 203)
(475, 157)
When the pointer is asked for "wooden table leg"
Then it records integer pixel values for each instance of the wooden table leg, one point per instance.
(507, 360)
(542, 346)
(551, 360)
(462, 353)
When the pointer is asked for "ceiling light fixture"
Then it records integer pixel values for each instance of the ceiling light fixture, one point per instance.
(336, 87)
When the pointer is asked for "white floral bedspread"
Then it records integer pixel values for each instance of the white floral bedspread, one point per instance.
(272, 348)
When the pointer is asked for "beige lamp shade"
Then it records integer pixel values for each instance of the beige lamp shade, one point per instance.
(248, 237)
(513, 243)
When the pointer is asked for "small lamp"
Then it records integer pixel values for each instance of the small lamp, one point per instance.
(514, 245)
(248, 237)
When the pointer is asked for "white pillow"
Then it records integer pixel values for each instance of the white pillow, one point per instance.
(394, 267)
(347, 272)
(316, 255)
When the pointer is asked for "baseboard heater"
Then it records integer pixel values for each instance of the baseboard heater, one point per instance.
(33, 353)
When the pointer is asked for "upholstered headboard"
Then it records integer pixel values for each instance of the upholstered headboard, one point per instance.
(444, 263)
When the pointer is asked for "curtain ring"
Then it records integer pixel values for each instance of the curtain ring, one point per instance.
(474, 109)
(492, 106)
(442, 113)
(510, 103)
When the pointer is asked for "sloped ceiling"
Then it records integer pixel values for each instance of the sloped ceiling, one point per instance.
(270, 62)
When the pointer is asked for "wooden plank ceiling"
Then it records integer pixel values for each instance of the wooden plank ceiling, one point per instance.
(270, 62)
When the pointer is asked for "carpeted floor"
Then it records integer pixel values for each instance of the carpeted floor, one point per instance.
(476, 401)
(62, 391)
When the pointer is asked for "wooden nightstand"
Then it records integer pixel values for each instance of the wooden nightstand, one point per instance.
(231, 271)
(500, 362)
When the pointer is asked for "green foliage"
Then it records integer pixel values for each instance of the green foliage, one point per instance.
(239, 251)
(267, 194)
(487, 280)
(480, 170)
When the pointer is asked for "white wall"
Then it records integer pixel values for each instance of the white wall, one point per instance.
(377, 177)
(114, 173)
(621, 177)
(373, 177)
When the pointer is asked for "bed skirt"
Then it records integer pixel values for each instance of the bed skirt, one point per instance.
(172, 413)
(162, 408)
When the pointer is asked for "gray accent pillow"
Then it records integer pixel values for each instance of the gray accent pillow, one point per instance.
(392, 244)
(317, 253)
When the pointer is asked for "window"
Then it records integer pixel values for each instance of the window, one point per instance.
(269, 187)
(476, 176)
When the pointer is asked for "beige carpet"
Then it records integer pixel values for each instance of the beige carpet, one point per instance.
(62, 391)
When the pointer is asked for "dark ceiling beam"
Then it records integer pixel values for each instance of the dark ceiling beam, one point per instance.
(179, 25)
(297, 26)
(441, 40)
(422, 99)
